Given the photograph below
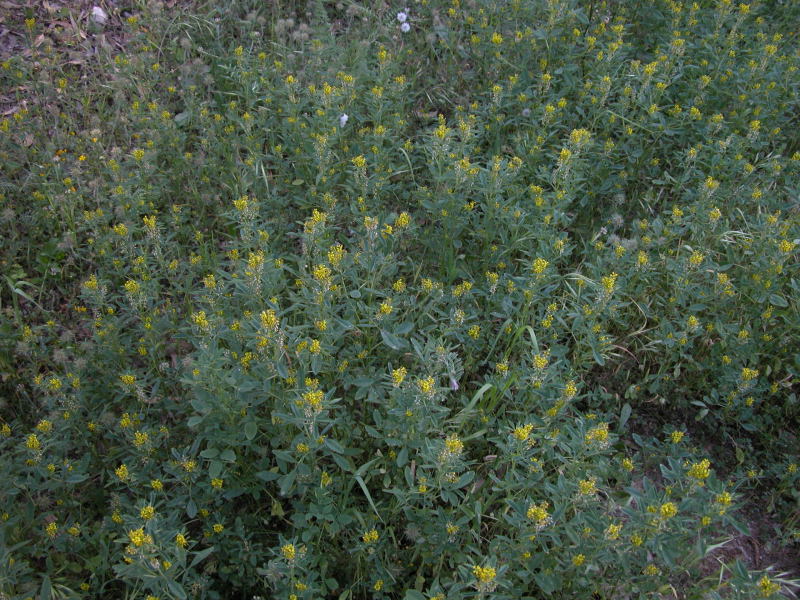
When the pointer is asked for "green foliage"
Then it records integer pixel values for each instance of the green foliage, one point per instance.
(298, 304)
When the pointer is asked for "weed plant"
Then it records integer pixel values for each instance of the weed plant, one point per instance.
(465, 299)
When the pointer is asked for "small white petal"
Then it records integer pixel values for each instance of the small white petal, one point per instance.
(405, 27)
(343, 120)
(99, 15)
(402, 16)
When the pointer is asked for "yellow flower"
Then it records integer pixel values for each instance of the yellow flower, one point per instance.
(539, 515)
(147, 512)
(768, 587)
(522, 433)
(453, 447)
(484, 575)
(131, 286)
(122, 473)
(426, 386)
(370, 537)
(540, 361)
(700, 471)
(609, 282)
(51, 529)
(651, 569)
(749, 374)
(398, 375)
(138, 537)
(91, 283)
(539, 265)
(668, 510)
(385, 307)
(612, 531)
(181, 541)
(587, 487)
(597, 434)
(336, 254)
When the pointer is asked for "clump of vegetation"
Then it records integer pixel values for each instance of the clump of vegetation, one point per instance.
(462, 299)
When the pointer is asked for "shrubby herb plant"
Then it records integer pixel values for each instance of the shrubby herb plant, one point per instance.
(449, 300)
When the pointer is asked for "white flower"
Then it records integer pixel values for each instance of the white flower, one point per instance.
(343, 120)
(402, 16)
(405, 27)
(99, 16)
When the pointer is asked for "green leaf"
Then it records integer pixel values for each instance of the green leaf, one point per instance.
(283, 371)
(468, 409)
(286, 482)
(267, 475)
(779, 301)
(46, 591)
(250, 430)
(201, 556)
(624, 415)
(465, 479)
(367, 494)
(414, 595)
(394, 342)
(228, 455)
(334, 445)
(177, 589)
(598, 358)
(209, 453)
(404, 328)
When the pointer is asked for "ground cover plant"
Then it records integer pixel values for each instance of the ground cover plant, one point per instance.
(445, 300)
